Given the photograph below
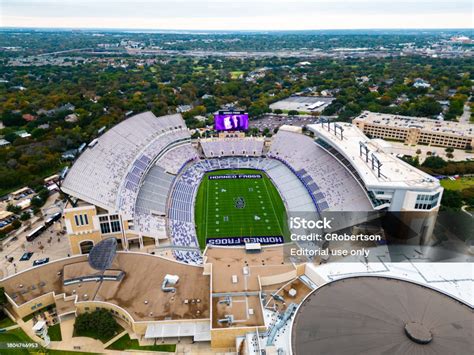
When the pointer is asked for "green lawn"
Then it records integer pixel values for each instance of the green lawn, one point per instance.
(64, 352)
(460, 184)
(15, 336)
(54, 332)
(236, 74)
(29, 317)
(239, 207)
(125, 343)
(5, 321)
(19, 336)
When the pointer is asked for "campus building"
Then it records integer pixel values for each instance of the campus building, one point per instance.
(87, 225)
(416, 130)
(221, 301)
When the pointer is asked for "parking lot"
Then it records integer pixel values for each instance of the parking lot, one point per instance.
(302, 103)
(272, 121)
(52, 244)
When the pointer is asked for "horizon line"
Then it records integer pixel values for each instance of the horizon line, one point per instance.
(235, 30)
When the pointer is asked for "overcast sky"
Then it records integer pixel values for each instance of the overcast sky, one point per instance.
(238, 14)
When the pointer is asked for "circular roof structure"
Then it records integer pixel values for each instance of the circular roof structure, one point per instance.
(102, 254)
(376, 315)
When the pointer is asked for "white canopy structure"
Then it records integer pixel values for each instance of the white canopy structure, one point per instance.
(200, 331)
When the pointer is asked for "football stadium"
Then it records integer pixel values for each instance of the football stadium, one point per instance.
(145, 181)
(184, 240)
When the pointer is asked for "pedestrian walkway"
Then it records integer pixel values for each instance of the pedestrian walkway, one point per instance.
(114, 339)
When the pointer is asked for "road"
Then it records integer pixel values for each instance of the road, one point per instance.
(466, 115)
(464, 209)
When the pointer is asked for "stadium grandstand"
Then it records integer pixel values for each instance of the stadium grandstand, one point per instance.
(118, 159)
(329, 182)
(222, 147)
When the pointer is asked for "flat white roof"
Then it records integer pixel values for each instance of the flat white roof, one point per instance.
(200, 331)
(396, 173)
(39, 325)
(422, 123)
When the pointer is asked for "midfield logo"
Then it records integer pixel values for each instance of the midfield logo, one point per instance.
(239, 202)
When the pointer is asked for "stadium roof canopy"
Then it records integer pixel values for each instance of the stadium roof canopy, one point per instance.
(380, 315)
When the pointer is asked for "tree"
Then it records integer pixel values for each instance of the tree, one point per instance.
(434, 163)
(293, 113)
(449, 150)
(3, 298)
(468, 195)
(25, 216)
(13, 209)
(16, 224)
(10, 119)
(37, 202)
(452, 199)
(100, 323)
(278, 111)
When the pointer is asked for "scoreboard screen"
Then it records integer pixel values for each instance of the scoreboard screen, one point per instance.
(231, 121)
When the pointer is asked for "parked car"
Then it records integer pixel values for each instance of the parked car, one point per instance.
(40, 261)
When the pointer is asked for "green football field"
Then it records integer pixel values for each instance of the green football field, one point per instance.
(238, 207)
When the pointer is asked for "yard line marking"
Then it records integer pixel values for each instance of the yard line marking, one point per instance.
(273, 208)
(207, 207)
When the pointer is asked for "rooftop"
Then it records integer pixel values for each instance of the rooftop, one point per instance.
(425, 124)
(139, 292)
(396, 317)
(303, 103)
(227, 262)
(246, 311)
(395, 172)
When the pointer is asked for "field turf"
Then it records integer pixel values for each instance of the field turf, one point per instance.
(239, 207)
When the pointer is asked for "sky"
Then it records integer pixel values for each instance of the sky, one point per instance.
(237, 14)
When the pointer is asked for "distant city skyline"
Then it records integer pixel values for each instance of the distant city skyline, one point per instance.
(238, 14)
